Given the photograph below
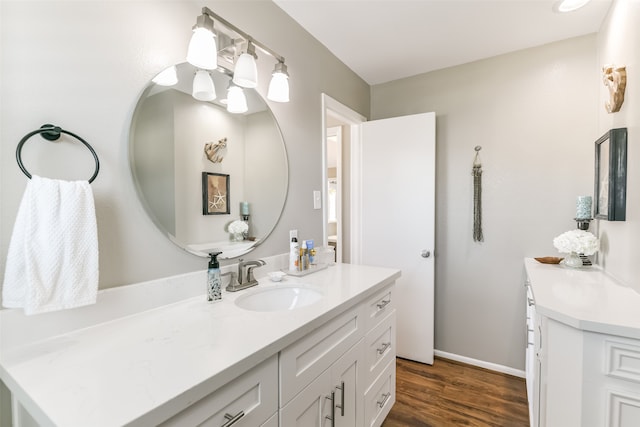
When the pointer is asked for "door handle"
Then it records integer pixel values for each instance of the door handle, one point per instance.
(425, 254)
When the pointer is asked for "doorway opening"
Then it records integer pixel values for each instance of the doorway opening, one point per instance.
(340, 169)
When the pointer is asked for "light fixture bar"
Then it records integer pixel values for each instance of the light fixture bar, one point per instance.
(247, 37)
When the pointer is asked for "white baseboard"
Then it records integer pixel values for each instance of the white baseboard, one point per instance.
(481, 363)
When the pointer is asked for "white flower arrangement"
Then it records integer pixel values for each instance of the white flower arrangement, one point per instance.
(578, 241)
(237, 227)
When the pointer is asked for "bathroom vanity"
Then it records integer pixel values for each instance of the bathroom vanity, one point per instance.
(583, 348)
(157, 353)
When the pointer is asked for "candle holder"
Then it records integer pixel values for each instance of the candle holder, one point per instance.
(583, 223)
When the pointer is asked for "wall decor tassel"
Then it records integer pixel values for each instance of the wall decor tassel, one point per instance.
(477, 197)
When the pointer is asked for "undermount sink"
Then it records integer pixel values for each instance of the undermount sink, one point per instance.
(278, 298)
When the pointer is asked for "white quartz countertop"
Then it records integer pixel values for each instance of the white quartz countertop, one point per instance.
(586, 299)
(141, 368)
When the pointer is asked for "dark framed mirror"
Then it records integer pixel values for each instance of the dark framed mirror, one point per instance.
(610, 192)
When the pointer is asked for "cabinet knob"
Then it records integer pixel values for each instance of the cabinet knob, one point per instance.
(425, 254)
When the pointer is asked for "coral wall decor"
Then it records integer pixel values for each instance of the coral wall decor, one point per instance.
(615, 79)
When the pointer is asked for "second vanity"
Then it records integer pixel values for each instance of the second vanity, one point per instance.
(157, 353)
(583, 348)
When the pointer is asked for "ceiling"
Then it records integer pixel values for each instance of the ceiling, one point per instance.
(385, 40)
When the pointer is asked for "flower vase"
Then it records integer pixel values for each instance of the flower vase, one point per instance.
(573, 260)
(237, 237)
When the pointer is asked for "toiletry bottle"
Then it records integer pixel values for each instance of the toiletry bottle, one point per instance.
(304, 256)
(294, 250)
(214, 284)
(312, 252)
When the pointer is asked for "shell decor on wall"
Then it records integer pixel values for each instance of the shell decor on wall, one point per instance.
(216, 151)
(615, 79)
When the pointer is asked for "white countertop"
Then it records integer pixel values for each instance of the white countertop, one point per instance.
(143, 367)
(586, 299)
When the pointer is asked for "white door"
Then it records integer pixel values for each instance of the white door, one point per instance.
(397, 220)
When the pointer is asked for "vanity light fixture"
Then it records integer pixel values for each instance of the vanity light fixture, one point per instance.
(167, 77)
(203, 87)
(246, 70)
(236, 100)
(205, 53)
(570, 5)
(279, 85)
(203, 49)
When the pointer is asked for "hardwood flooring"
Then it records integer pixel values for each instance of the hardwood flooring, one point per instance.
(451, 393)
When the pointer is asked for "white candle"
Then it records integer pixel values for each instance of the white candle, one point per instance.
(583, 207)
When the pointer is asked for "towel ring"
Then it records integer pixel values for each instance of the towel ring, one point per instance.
(52, 133)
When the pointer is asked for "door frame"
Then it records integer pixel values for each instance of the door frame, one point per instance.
(335, 109)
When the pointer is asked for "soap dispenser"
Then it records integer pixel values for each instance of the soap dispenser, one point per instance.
(214, 283)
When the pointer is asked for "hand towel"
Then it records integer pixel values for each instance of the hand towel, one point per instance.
(52, 262)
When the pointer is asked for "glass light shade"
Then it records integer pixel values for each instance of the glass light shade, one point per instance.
(236, 100)
(203, 52)
(245, 73)
(167, 77)
(279, 88)
(203, 88)
(571, 5)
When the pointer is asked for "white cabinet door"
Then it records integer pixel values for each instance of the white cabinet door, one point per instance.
(347, 378)
(340, 385)
(311, 407)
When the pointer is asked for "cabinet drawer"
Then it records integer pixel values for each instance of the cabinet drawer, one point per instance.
(307, 358)
(254, 394)
(380, 347)
(379, 306)
(380, 397)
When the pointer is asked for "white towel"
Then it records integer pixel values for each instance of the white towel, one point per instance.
(52, 263)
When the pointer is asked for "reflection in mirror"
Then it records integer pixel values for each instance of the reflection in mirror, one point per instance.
(172, 142)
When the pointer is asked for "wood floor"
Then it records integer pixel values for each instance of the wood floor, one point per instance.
(451, 393)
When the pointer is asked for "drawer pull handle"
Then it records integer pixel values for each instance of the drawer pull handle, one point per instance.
(530, 301)
(385, 346)
(232, 419)
(332, 418)
(341, 405)
(382, 304)
(383, 402)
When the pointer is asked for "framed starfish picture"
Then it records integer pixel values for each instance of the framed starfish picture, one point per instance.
(215, 194)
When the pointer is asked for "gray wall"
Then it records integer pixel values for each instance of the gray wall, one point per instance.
(618, 43)
(534, 114)
(83, 65)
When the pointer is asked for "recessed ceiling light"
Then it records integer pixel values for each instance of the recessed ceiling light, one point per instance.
(569, 5)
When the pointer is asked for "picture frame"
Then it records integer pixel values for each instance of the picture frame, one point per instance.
(610, 193)
(215, 194)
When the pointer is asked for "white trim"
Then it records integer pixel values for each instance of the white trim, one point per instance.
(481, 363)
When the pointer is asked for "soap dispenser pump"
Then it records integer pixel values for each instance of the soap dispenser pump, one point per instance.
(214, 283)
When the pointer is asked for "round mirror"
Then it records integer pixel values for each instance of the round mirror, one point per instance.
(201, 172)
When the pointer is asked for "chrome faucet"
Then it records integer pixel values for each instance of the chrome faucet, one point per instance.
(240, 280)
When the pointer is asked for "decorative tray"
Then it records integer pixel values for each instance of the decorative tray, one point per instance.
(312, 269)
(549, 260)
